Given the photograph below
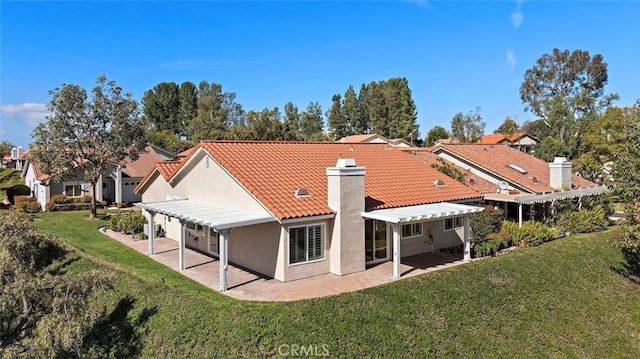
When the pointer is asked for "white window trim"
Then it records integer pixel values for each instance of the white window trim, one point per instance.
(413, 235)
(75, 183)
(324, 244)
(453, 228)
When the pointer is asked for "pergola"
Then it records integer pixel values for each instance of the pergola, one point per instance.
(423, 213)
(220, 219)
(556, 196)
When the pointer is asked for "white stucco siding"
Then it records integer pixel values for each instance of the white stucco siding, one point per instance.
(128, 185)
(448, 238)
(415, 245)
(256, 247)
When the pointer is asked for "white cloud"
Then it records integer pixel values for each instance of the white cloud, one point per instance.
(28, 112)
(517, 16)
(511, 59)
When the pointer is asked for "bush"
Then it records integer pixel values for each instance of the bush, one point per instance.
(129, 222)
(27, 204)
(585, 221)
(17, 190)
(61, 202)
(484, 223)
(490, 246)
(533, 233)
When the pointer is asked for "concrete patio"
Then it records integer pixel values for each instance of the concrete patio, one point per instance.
(246, 285)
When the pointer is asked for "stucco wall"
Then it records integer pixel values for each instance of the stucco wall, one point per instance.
(415, 245)
(446, 239)
(303, 270)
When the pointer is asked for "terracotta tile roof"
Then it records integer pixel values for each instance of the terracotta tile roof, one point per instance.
(186, 152)
(272, 171)
(168, 168)
(496, 138)
(145, 163)
(497, 158)
(359, 138)
(471, 180)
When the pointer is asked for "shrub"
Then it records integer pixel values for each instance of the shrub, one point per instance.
(27, 204)
(490, 247)
(484, 223)
(17, 190)
(84, 199)
(533, 233)
(61, 202)
(585, 221)
(129, 222)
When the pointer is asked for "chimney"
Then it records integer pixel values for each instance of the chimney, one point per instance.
(345, 195)
(560, 173)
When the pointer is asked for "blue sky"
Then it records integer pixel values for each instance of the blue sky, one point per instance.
(456, 55)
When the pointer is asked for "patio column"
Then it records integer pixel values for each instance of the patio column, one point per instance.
(467, 238)
(99, 189)
(118, 188)
(152, 233)
(396, 250)
(223, 253)
(520, 214)
(183, 234)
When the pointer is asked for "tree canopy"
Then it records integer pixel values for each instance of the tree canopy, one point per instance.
(509, 126)
(469, 127)
(435, 134)
(88, 135)
(5, 147)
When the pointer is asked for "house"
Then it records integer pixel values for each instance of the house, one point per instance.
(291, 210)
(15, 159)
(117, 184)
(519, 140)
(375, 138)
(524, 186)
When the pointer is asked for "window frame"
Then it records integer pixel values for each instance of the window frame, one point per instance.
(453, 223)
(323, 234)
(413, 231)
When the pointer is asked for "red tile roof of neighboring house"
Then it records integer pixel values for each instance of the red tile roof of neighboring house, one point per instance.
(272, 171)
(359, 138)
(145, 162)
(477, 183)
(497, 138)
(497, 158)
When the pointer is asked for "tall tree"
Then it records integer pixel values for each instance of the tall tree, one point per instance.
(435, 134)
(88, 135)
(311, 122)
(509, 126)
(218, 111)
(338, 127)
(351, 113)
(467, 128)
(161, 107)
(291, 123)
(566, 91)
(188, 98)
(265, 125)
(377, 108)
(363, 123)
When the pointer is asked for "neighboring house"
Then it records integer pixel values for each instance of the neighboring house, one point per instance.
(291, 210)
(524, 186)
(375, 138)
(15, 159)
(520, 140)
(117, 184)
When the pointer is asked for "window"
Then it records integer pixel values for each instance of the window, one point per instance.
(411, 230)
(452, 223)
(73, 190)
(306, 243)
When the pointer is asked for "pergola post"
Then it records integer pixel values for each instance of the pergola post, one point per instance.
(223, 253)
(152, 233)
(467, 238)
(396, 250)
(520, 214)
(118, 188)
(181, 245)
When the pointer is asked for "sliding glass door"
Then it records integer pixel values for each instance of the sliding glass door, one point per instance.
(375, 241)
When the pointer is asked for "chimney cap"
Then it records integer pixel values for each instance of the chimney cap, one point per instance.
(346, 163)
(559, 160)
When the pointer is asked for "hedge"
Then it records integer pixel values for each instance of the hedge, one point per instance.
(27, 204)
(17, 190)
(128, 222)
(585, 221)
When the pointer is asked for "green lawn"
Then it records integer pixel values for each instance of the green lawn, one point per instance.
(8, 178)
(563, 299)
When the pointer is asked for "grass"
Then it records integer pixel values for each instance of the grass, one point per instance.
(562, 299)
(8, 178)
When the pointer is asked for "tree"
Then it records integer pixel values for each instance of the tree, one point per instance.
(467, 128)
(311, 122)
(167, 140)
(363, 123)
(161, 107)
(188, 99)
(88, 135)
(5, 147)
(217, 112)
(338, 127)
(264, 125)
(351, 112)
(45, 313)
(291, 124)
(435, 134)
(509, 126)
(566, 91)
(625, 174)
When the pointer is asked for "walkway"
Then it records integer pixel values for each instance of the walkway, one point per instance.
(246, 285)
